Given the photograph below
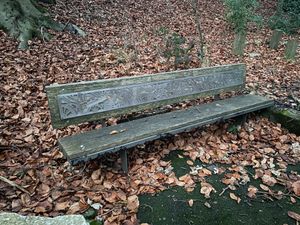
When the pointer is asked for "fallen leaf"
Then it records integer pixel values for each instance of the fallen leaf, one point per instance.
(294, 215)
(234, 197)
(252, 191)
(61, 206)
(207, 205)
(264, 187)
(206, 189)
(296, 187)
(96, 174)
(133, 203)
(190, 163)
(293, 200)
(268, 180)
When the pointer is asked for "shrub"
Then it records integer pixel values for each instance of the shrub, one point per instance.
(175, 47)
(240, 13)
(286, 17)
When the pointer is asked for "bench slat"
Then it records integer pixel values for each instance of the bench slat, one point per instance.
(85, 146)
(94, 100)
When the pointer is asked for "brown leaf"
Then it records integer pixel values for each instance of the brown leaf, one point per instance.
(264, 187)
(296, 187)
(204, 172)
(44, 190)
(234, 197)
(163, 163)
(293, 200)
(121, 195)
(107, 184)
(61, 206)
(96, 174)
(268, 180)
(128, 222)
(190, 163)
(252, 191)
(294, 215)
(206, 189)
(133, 203)
(74, 208)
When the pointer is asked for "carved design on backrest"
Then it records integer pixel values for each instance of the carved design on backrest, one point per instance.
(95, 101)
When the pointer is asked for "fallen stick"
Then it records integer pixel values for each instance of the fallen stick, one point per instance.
(13, 184)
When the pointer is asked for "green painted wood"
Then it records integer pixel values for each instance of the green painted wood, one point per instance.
(54, 90)
(85, 146)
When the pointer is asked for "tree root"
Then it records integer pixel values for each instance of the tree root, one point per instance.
(25, 19)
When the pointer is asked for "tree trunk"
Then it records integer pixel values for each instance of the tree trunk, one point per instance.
(239, 43)
(195, 7)
(25, 19)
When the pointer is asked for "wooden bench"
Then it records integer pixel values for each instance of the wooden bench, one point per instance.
(94, 100)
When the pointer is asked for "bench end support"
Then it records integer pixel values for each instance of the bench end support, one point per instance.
(124, 160)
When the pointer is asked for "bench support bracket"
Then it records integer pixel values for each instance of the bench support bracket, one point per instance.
(124, 160)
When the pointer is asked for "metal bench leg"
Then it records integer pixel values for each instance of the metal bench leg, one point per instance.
(124, 160)
(244, 118)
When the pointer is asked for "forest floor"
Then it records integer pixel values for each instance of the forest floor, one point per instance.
(123, 41)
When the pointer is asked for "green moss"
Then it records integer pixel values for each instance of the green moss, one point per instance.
(170, 206)
(288, 118)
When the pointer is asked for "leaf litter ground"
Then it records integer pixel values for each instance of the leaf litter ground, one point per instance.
(30, 158)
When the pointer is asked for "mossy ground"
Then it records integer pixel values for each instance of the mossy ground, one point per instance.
(171, 207)
(288, 118)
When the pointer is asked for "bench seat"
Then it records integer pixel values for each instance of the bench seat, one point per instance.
(89, 145)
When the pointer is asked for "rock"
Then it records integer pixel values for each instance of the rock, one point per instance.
(296, 150)
(16, 219)
(254, 55)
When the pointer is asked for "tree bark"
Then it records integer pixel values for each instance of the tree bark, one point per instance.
(239, 43)
(25, 19)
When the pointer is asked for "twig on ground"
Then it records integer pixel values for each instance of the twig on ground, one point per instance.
(13, 184)
(224, 189)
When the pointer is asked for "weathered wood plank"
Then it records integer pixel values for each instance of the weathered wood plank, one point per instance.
(97, 142)
(194, 82)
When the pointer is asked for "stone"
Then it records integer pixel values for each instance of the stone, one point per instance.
(254, 55)
(275, 39)
(16, 219)
(291, 49)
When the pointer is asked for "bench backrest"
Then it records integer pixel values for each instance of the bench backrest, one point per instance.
(93, 100)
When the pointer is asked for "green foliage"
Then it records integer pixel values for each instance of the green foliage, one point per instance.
(287, 16)
(175, 47)
(240, 13)
(291, 6)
